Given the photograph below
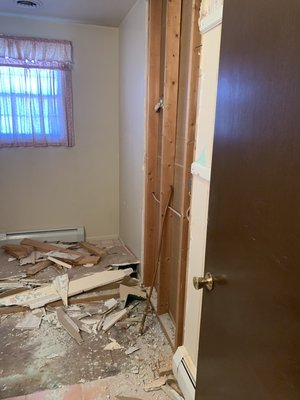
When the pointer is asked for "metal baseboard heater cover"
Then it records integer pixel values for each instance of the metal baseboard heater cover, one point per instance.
(183, 375)
(49, 235)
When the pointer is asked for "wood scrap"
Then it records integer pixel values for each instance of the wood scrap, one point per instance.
(59, 262)
(69, 325)
(112, 319)
(86, 259)
(61, 285)
(40, 266)
(36, 298)
(46, 247)
(135, 291)
(96, 251)
(17, 250)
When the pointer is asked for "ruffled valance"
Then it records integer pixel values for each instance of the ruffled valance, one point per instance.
(35, 52)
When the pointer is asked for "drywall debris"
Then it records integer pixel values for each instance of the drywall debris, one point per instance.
(114, 345)
(64, 256)
(131, 350)
(59, 262)
(112, 319)
(51, 356)
(11, 259)
(156, 384)
(61, 285)
(36, 298)
(11, 285)
(125, 264)
(69, 325)
(28, 260)
(31, 321)
(110, 304)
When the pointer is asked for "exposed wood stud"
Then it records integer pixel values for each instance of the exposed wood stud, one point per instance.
(190, 125)
(172, 58)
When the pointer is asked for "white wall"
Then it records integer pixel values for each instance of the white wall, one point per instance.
(209, 68)
(133, 44)
(58, 187)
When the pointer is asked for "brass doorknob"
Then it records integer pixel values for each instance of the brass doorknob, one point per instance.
(207, 282)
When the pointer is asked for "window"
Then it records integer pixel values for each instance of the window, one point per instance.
(35, 92)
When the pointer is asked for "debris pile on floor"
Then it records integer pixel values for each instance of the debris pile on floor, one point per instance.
(80, 301)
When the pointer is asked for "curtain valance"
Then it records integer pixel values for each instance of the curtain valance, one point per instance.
(35, 52)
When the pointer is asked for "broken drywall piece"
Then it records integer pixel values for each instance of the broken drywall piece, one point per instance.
(61, 285)
(59, 262)
(112, 319)
(31, 321)
(110, 304)
(156, 384)
(64, 256)
(125, 264)
(51, 356)
(11, 259)
(28, 260)
(131, 350)
(69, 325)
(36, 298)
(114, 345)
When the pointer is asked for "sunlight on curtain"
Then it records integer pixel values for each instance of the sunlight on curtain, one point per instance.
(35, 92)
(31, 101)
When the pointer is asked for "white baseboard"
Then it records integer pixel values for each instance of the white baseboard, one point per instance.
(185, 377)
(102, 237)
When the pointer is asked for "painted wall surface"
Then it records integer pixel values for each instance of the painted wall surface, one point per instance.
(133, 45)
(61, 187)
(200, 188)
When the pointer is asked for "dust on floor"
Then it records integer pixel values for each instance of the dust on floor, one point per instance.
(49, 358)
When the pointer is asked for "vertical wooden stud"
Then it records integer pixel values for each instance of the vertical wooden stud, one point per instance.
(191, 107)
(152, 129)
(172, 54)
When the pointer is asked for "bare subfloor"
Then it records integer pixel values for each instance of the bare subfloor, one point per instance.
(48, 358)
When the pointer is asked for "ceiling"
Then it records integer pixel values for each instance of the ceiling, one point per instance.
(95, 12)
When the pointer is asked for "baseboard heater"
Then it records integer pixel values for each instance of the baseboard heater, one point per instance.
(183, 374)
(49, 235)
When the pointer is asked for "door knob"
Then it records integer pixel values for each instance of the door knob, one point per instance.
(207, 282)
